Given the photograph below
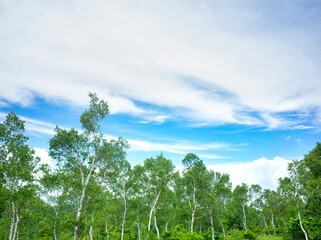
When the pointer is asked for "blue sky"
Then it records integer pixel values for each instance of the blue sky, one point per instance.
(236, 82)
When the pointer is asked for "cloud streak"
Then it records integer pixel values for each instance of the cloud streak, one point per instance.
(41, 127)
(212, 62)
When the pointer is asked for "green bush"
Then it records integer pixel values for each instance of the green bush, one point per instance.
(240, 235)
(234, 235)
(183, 235)
(249, 235)
(208, 235)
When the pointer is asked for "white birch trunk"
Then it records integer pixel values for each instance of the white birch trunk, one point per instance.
(82, 197)
(91, 227)
(166, 226)
(305, 233)
(13, 214)
(78, 213)
(261, 224)
(192, 221)
(244, 217)
(265, 224)
(55, 224)
(107, 233)
(212, 227)
(222, 227)
(55, 234)
(138, 226)
(152, 210)
(155, 222)
(273, 222)
(194, 209)
(124, 219)
(16, 224)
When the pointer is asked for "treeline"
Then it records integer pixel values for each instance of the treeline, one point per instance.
(94, 192)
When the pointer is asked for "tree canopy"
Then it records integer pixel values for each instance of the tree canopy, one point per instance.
(95, 193)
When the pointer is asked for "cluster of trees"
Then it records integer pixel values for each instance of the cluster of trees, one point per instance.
(94, 192)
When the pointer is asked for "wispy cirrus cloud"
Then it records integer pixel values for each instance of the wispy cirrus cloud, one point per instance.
(211, 62)
(179, 147)
(33, 125)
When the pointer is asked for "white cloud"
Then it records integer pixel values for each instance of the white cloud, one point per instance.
(44, 156)
(33, 125)
(263, 171)
(200, 60)
(178, 148)
(211, 156)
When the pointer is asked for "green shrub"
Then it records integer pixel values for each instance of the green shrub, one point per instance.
(234, 235)
(240, 235)
(183, 235)
(249, 235)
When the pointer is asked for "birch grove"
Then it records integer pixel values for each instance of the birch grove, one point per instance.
(95, 193)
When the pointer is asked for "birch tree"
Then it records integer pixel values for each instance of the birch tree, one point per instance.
(216, 196)
(158, 173)
(241, 196)
(296, 190)
(140, 197)
(82, 153)
(195, 177)
(119, 179)
(18, 167)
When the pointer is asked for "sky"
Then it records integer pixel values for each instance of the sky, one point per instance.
(237, 82)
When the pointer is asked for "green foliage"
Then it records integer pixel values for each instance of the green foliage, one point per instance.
(235, 235)
(95, 180)
(294, 231)
(240, 235)
(266, 237)
(249, 235)
(183, 235)
(312, 225)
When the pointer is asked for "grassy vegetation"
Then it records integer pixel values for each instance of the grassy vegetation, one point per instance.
(266, 237)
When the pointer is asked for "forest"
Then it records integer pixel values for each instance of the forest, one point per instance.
(95, 193)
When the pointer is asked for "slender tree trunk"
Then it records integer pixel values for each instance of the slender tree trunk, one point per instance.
(222, 227)
(82, 197)
(265, 224)
(212, 227)
(166, 226)
(55, 224)
(152, 210)
(78, 213)
(272, 221)
(192, 221)
(124, 219)
(305, 233)
(13, 214)
(85, 230)
(244, 217)
(138, 226)
(91, 227)
(16, 224)
(261, 224)
(107, 233)
(55, 234)
(194, 209)
(155, 222)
